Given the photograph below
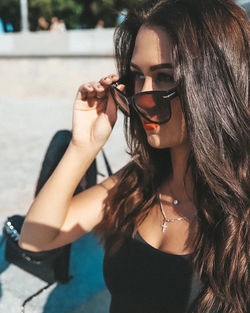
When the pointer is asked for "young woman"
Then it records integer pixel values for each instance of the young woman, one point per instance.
(174, 221)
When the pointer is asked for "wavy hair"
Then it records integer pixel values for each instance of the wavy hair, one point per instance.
(211, 67)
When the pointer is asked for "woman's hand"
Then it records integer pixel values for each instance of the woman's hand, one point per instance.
(94, 113)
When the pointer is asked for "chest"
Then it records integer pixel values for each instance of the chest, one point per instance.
(177, 238)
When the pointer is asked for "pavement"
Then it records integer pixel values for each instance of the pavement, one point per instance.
(27, 126)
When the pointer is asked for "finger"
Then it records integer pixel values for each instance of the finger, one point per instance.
(100, 91)
(92, 90)
(121, 87)
(108, 80)
(86, 97)
(85, 90)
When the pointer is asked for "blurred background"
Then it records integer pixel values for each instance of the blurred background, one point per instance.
(77, 14)
(48, 48)
(17, 15)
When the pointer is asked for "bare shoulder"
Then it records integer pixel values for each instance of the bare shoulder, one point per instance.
(100, 191)
(112, 180)
(86, 211)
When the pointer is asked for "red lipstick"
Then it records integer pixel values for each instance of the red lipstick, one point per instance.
(150, 126)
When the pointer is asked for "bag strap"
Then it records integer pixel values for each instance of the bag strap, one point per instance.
(34, 295)
(106, 163)
(3, 239)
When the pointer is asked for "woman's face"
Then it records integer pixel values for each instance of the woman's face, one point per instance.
(152, 66)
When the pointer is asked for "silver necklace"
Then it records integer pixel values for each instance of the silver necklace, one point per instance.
(170, 220)
(175, 201)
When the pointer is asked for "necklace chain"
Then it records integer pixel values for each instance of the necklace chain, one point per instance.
(170, 220)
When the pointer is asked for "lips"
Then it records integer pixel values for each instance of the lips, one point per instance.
(150, 126)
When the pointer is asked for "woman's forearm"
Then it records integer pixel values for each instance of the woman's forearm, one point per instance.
(49, 210)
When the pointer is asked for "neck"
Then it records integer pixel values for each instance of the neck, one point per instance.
(181, 182)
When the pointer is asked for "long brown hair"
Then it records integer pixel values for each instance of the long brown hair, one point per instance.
(211, 68)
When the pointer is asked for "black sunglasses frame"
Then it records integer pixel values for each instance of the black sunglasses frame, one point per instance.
(168, 95)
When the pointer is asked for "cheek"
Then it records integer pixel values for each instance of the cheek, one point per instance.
(182, 126)
(138, 85)
(174, 132)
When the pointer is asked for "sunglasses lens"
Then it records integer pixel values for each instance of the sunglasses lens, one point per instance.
(121, 100)
(154, 106)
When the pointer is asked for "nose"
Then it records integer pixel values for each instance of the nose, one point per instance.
(147, 85)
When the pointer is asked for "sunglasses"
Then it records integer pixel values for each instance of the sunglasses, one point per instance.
(154, 106)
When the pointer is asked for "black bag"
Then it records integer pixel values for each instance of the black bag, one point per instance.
(56, 149)
(50, 266)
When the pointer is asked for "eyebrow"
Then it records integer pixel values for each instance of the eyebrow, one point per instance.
(154, 67)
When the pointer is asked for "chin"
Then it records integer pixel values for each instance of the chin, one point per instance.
(155, 142)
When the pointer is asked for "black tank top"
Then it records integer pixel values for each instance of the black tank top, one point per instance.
(143, 279)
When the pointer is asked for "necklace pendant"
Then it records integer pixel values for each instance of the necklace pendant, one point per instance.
(164, 226)
(175, 202)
